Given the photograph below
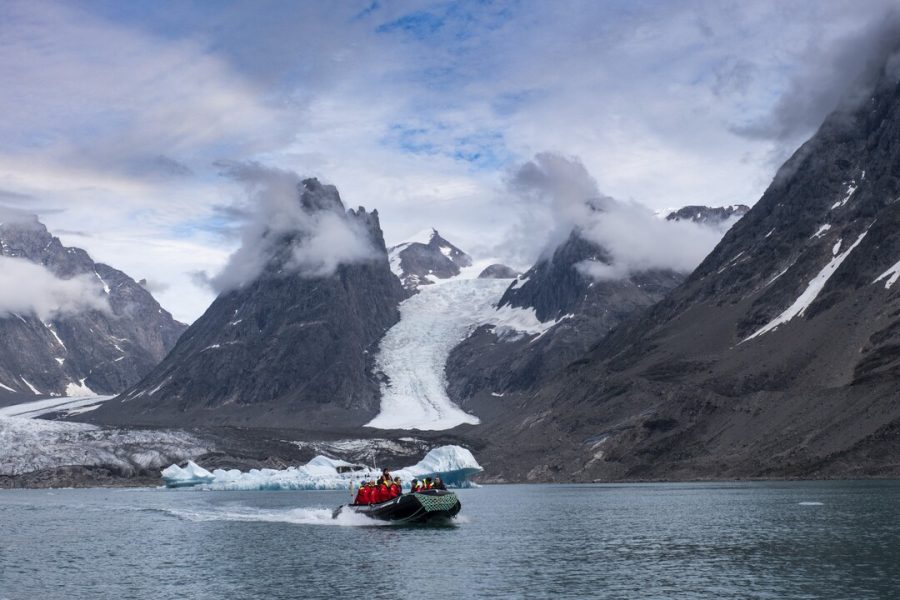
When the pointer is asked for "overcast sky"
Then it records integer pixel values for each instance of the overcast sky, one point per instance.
(114, 114)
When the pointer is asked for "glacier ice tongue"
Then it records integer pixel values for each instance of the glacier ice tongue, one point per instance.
(453, 464)
(30, 445)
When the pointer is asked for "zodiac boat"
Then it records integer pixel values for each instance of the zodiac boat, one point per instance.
(414, 507)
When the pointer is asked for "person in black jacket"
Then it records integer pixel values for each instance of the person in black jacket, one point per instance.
(439, 484)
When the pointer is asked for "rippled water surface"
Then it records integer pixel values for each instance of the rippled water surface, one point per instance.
(742, 540)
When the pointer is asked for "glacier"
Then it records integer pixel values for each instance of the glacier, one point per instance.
(453, 464)
(31, 445)
(414, 352)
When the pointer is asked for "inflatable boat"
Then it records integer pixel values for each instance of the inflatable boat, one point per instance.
(415, 507)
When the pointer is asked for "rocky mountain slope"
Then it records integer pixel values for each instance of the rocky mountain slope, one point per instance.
(425, 258)
(103, 349)
(286, 350)
(498, 271)
(577, 311)
(777, 357)
(709, 215)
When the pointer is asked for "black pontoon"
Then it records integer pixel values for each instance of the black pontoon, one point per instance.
(415, 507)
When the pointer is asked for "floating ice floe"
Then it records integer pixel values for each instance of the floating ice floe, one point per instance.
(192, 474)
(453, 464)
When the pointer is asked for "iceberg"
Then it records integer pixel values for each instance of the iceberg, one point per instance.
(453, 464)
(192, 474)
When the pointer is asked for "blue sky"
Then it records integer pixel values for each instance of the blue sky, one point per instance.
(115, 113)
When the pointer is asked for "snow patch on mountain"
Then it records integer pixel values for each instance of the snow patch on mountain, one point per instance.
(33, 389)
(39, 408)
(891, 276)
(819, 232)
(79, 389)
(810, 293)
(851, 189)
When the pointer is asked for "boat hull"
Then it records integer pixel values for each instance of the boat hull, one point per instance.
(416, 507)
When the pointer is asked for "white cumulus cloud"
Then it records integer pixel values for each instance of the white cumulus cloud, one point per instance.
(557, 195)
(321, 239)
(27, 288)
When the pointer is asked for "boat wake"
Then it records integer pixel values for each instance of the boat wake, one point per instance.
(293, 516)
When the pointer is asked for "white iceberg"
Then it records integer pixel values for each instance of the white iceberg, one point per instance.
(453, 464)
(191, 475)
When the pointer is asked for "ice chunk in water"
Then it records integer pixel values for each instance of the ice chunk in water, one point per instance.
(192, 474)
(453, 464)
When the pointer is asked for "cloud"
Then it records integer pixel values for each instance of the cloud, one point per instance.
(10, 196)
(558, 195)
(319, 235)
(201, 279)
(154, 287)
(833, 75)
(419, 109)
(27, 288)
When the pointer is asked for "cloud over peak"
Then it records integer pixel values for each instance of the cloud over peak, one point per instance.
(299, 224)
(27, 288)
(558, 196)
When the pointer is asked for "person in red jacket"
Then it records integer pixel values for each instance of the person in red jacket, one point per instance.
(395, 488)
(384, 491)
(374, 493)
(362, 495)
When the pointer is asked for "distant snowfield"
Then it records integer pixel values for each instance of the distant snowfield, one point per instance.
(413, 352)
(70, 406)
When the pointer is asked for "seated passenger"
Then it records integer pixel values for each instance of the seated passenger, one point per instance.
(385, 476)
(362, 495)
(439, 484)
(382, 493)
(415, 486)
(428, 484)
(395, 488)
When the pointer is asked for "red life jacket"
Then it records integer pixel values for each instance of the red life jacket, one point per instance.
(395, 490)
(362, 496)
(384, 493)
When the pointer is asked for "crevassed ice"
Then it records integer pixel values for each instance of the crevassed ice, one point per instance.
(810, 293)
(34, 444)
(453, 464)
(414, 352)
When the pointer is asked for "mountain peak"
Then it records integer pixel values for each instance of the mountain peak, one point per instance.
(315, 196)
(425, 258)
(284, 351)
(75, 346)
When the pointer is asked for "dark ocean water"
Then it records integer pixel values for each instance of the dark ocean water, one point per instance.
(685, 541)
